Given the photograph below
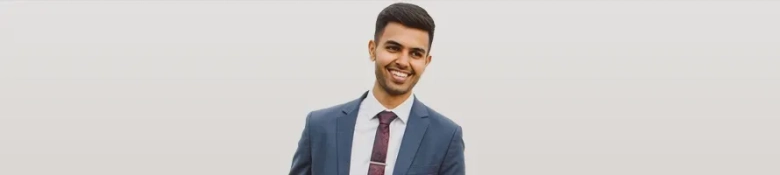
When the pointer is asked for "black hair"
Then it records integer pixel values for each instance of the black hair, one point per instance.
(409, 15)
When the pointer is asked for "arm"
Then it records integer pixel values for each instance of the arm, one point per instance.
(301, 163)
(454, 163)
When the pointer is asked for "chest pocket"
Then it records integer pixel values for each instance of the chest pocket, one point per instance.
(423, 170)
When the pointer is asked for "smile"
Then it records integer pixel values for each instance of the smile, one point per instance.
(398, 76)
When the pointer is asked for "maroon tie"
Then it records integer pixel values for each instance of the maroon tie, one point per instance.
(379, 154)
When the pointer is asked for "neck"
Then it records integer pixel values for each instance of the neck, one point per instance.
(387, 100)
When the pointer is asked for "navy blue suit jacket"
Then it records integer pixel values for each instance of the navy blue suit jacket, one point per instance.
(432, 143)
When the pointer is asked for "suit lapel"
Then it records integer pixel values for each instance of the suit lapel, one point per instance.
(345, 127)
(415, 130)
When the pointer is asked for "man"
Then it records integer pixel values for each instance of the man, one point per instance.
(386, 130)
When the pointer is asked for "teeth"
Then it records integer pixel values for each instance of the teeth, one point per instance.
(396, 73)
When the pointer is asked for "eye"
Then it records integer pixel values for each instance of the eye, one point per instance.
(393, 48)
(417, 54)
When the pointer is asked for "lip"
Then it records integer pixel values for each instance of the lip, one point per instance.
(398, 79)
(402, 71)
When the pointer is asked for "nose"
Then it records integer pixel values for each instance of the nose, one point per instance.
(403, 61)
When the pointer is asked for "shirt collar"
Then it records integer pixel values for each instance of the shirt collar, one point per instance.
(372, 106)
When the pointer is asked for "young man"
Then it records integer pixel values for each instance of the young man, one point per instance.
(387, 130)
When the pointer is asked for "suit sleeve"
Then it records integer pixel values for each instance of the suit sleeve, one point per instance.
(301, 162)
(454, 161)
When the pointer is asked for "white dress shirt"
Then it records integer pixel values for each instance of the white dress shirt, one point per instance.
(365, 131)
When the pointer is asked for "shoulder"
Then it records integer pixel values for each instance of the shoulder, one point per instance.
(441, 122)
(329, 113)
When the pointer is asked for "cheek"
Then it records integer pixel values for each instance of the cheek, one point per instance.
(419, 66)
(383, 57)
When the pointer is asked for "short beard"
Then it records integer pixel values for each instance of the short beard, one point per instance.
(382, 81)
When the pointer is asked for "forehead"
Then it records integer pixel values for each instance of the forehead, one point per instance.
(406, 36)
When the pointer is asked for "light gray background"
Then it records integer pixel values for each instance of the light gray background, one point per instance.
(541, 88)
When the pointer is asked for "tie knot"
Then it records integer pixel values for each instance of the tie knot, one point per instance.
(385, 117)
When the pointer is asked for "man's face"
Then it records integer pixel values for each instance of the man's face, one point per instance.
(400, 56)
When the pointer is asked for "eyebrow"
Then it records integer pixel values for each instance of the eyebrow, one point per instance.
(399, 44)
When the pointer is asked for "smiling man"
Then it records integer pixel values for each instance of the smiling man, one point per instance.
(387, 130)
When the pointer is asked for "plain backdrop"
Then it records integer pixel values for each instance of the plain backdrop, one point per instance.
(540, 87)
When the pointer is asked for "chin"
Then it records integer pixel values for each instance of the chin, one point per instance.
(394, 89)
(396, 92)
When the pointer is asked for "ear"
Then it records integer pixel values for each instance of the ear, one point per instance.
(372, 50)
(428, 60)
